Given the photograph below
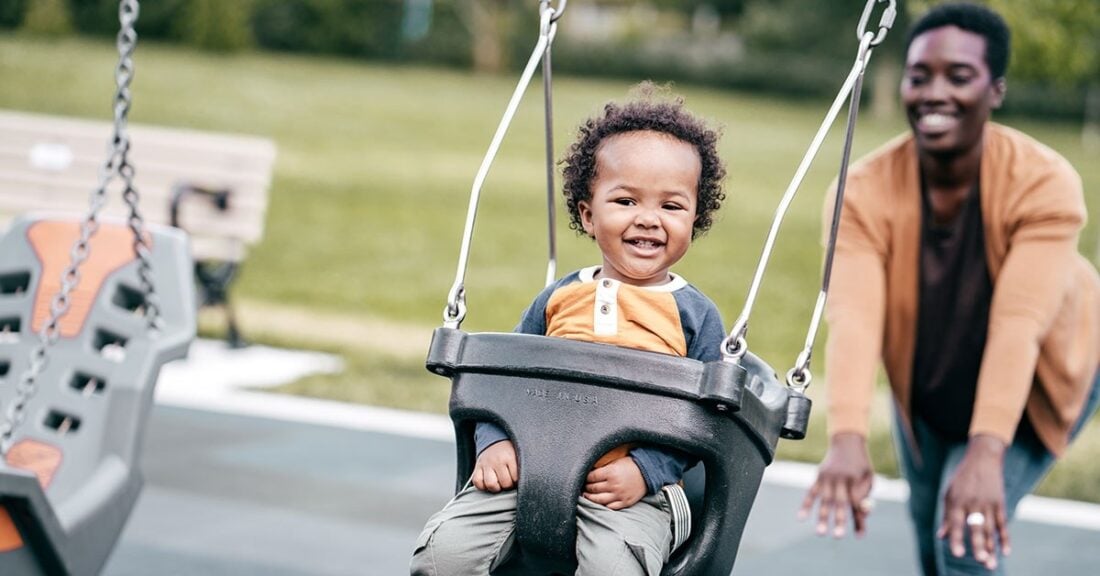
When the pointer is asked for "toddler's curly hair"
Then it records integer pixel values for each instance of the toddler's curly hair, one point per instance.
(664, 115)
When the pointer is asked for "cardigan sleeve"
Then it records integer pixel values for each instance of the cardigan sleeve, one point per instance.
(856, 307)
(1037, 272)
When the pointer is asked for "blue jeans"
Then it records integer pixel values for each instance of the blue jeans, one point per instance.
(1026, 462)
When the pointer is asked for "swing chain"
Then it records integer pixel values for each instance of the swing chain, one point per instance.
(548, 117)
(734, 347)
(799, 376)
(50, 332)
(455, 310)
(127, 42)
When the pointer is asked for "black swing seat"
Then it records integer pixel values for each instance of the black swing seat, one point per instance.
(93, 398)
(565, 403)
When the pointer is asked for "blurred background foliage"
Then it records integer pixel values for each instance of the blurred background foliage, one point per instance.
(744, 44)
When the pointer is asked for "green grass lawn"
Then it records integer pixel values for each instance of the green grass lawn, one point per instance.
(373, 176)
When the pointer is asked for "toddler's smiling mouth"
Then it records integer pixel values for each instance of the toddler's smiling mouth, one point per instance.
(645, 242)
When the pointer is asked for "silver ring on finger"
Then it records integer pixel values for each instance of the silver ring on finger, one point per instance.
(975, 519)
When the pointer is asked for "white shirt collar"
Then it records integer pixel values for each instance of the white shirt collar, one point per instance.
(589, 275)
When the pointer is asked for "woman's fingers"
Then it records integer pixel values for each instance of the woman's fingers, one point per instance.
(978, 535)
(842, 486)
(954, 522)
(1002, 530)
(825, 508)
(862, 503)
(808, 501)
(841, 506)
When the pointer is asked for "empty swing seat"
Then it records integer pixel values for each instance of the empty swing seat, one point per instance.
(70, 479)
(565, 403)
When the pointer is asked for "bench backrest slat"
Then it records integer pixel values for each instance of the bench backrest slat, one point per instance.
(52, 164)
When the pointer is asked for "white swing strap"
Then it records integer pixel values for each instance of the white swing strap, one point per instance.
(681, 514)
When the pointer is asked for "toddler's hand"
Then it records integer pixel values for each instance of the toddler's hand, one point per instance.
(496, 468)
(616, 485)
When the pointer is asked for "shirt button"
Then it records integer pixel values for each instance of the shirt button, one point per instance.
(606, 283)
(604, 309)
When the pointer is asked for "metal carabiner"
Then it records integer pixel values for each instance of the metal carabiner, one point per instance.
(884, 23)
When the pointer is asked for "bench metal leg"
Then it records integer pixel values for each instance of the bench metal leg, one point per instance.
(233, 334)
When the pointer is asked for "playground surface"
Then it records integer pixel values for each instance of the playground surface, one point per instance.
(245, 482)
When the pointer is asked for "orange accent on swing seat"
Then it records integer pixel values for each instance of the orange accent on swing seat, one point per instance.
(34, 456)
(110, 249)
(9, 535)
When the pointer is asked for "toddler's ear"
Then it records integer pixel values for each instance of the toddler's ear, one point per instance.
(585, 210)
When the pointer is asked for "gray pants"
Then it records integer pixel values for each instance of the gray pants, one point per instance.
(475, 532)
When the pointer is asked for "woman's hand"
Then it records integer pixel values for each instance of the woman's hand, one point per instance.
(496, 468)
(975, 502)
(843, 486)
(618, 484)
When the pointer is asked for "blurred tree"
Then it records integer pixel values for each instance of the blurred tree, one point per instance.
(11, 13)
(827, 32)
(1061, 41)
(156, 19)
(216, 25)
(370, 28)
(48, 17)
(98, 17)
(725, 8)
(486, 20)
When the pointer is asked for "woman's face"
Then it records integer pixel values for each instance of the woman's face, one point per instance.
(948, 91)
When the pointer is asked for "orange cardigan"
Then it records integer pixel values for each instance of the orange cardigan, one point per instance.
(1043, 346)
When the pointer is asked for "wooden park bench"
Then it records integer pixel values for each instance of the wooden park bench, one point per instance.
(214, 186)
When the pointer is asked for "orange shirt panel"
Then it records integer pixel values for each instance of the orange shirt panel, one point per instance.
(646, 319)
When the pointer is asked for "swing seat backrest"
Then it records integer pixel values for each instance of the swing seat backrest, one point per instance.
(70, 479)
(565, 403)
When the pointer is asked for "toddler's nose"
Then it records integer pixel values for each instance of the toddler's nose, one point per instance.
(647, 219)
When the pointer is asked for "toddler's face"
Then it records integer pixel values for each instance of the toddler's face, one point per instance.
(643, 203)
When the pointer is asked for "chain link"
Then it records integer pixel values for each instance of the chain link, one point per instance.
(116, 162)
(556, 13)
(124, 75)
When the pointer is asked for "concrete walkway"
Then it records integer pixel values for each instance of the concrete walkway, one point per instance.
(241, 482)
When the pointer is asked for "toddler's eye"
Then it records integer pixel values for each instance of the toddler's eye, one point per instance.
(624, 201)
(673, 207)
